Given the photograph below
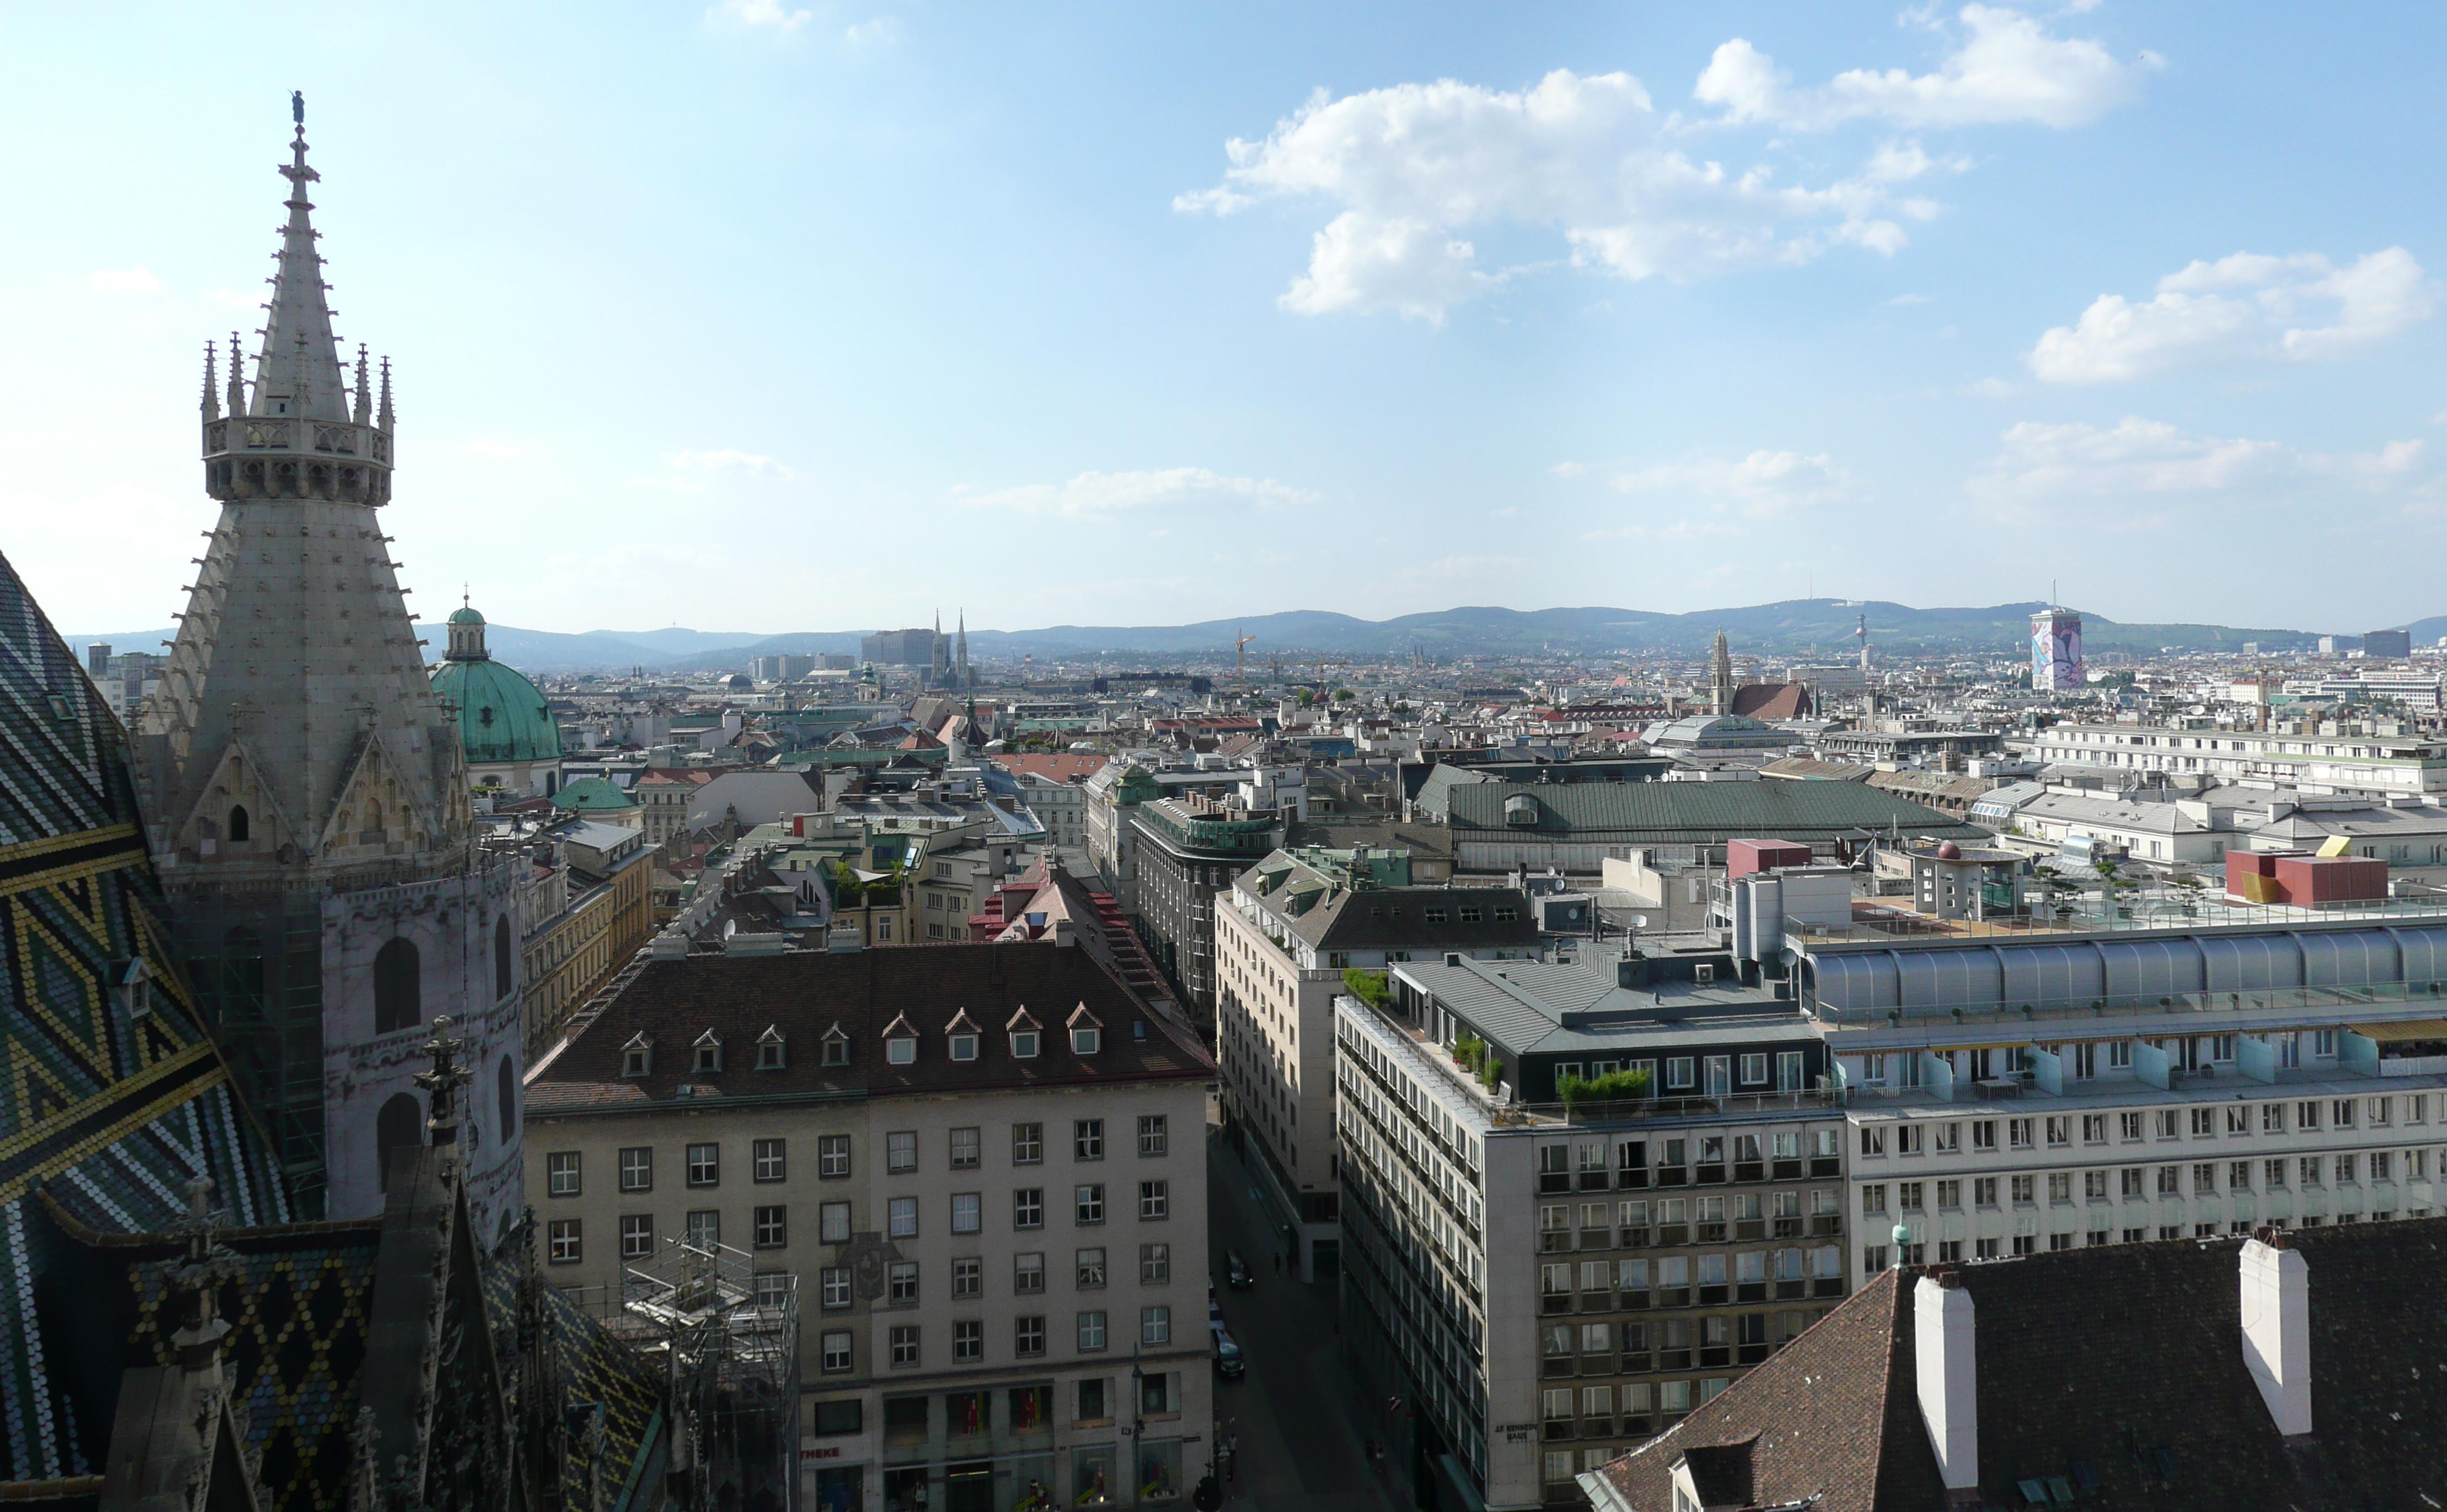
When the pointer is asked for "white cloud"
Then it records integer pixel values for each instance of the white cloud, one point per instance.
(1414, 166)
(761, 14)
(1093, 494)
(1992, 389)
(1913, 299)
(1673, 530)
(876, 31)
(2007, 69)
(123, 282)
(2301, 308)
(1764, 483)
(235, 298)
(1568, 469)
(750, 463)
(2140, 471)
(1465, 568)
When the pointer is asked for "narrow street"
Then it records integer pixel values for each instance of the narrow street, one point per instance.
(1297, 1411)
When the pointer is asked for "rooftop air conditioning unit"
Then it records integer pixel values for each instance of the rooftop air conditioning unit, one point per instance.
(1705, 974)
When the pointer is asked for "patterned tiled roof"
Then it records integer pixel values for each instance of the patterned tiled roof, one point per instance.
(108, 1105)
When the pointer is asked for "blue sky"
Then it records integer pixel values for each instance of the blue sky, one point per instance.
(784, 315)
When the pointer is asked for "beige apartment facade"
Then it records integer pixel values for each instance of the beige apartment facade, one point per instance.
(978, 1174)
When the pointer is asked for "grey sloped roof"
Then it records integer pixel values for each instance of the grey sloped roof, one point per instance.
(1703, 813)
(1435, 794)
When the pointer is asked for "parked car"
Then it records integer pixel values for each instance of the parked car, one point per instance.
(1228, 1363)
(1237, 1273)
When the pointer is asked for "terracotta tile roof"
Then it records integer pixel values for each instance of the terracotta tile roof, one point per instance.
(671, 1002)
(1060, 766)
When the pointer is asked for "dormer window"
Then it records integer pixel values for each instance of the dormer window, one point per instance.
(900, 1042)
(136, 988)
(836, 1046)
(963, 1033)
(637, 1056)
(709, 1052)
(769, 1048)
(1086, 1033)
(1027, 1035)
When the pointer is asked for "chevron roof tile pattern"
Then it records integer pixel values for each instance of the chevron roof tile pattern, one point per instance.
(111, 1095)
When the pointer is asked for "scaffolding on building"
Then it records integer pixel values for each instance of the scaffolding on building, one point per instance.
(728, 1338)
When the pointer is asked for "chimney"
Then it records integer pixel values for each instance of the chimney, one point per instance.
(2277, 1328)
(1065, 933)
(1949, 1396)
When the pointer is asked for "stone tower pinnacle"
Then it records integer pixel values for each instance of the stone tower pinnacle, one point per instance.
(1721, 677)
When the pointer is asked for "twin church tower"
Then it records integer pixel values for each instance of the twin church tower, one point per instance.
(304, 789)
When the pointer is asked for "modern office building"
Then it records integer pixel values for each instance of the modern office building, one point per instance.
(1545, 1277)
(1187, 849)
(1285, 932)
(2315, 764)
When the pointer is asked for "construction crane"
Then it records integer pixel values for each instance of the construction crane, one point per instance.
(1241, 658)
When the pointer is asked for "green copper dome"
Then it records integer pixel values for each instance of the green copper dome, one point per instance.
(465, 614)
(502, 717)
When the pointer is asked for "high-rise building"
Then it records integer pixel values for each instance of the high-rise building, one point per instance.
(2056, 651)
(304, 789)
(2387, 644)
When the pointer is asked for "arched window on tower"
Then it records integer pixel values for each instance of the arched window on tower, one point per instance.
(504, 970)
(399, 999)
(238, 823)
(506, 1099)
(400, 1125)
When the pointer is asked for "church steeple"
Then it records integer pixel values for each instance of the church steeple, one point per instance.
(296, 436)
(1720, 679)
(297, 371)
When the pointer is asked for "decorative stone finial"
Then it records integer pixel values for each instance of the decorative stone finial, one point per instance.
(363, 413)
(194, 1282)
(441, 1083)
(212, 405)
(382, 414)
(297, 108)
(236, 378)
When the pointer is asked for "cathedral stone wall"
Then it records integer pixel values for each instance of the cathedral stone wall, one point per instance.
(372, 1051)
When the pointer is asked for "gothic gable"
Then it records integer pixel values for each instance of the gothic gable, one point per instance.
(379, 812)
(237, 817)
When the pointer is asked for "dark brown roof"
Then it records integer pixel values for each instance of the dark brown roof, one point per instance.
(2118, 1368)
(804, 993)
(1772, 701)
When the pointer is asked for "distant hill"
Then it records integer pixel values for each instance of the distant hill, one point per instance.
(1793, 627)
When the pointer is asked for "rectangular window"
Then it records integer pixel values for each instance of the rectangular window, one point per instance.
(637, 1168)
(966, 1142)
(636, 1236)
(965, 1209)
(968, 1278)
(767, 1160)
(832, 1224)
(900, 1284)
(703, 1228)
(1087, 1139)
(705, 1166)
(2018, 1132)
(1091, 1338)
(1090, 1203)
(1155, 1325)
(832, 1286)
(1090, 1270)
(905, 1346)
(1754, 1070)
(772, 1228)
(1028, 1336)
(1028, 1207)
(565, 1248)
(832, 1157)
(903, 1221)
(1154, 1138)
(836, 1352)
(1155, 1265)
(560, 1173)
(2021, 1191)
(1026, 1143)
(1155, 1200)
(901, 1152)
